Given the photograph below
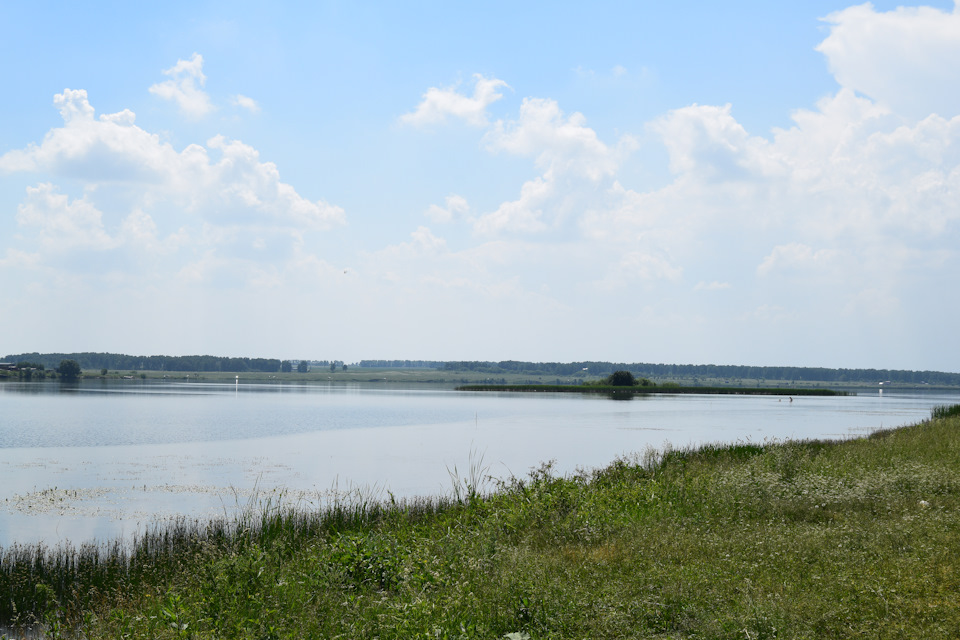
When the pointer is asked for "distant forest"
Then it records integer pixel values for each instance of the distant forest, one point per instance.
(121, 362)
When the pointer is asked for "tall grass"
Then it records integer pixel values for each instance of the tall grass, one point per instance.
(945, 411)
(797, 539)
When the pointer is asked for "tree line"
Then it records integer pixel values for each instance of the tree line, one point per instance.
(402, 364)
(207, 363)
(121, 362)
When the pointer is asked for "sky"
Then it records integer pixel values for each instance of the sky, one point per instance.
(754, 183)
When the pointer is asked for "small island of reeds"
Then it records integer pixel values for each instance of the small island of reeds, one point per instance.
(795, 539)
(623, 383)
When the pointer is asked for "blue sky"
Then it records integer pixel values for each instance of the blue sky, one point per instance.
(752, 183)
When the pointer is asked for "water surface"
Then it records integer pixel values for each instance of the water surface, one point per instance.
(96, 460)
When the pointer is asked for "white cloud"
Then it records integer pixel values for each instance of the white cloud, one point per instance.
(108, 149)
(573, 160)
(851, 212)
(768, 314)
(800, 257)
(62, 223)
(905, 59)
(455, 206)
(225, 176)
(638, 266)
(139, 192)
(711, 286)
(708, 140)
(185, 87)
(559, 144)
(873, 302)
(523, 215)
(851, 188)
(437, 104)
(249, 104)
(239, 179)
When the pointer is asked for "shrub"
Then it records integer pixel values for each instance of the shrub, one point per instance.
(621, 379)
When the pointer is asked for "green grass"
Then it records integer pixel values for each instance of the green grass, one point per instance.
(782, 540)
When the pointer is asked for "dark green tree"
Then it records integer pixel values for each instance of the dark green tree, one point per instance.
(302, 367)
(621, 379)
(69, 369)
(286, 366)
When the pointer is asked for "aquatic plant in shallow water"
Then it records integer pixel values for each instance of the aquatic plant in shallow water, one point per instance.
(945, 411)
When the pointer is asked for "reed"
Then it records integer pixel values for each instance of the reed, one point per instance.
(945, 411)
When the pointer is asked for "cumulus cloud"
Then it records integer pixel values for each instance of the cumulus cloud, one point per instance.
(141, 192)
(437, 103)
(243, 101)
(105, 149)
(905, 59)
(797, 256)
(239, 179)
(185, 87)
(525, 214)
(224, 175)
(837, 204)
(642, 267)
(560, 144)
(455, 206)
(571, 156)
(708, 140)
(712, 286)
(63, 223)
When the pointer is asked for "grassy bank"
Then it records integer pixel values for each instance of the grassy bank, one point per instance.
(784, 540)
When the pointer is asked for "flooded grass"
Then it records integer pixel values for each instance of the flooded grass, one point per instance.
(795, 539)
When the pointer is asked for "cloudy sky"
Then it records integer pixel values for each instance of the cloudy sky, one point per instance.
(733, 183)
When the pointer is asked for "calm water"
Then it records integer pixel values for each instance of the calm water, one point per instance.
(98, 460)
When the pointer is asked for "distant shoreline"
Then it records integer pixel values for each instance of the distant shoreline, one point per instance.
(456, 379)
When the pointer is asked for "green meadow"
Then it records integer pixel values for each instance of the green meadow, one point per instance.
(797, 539)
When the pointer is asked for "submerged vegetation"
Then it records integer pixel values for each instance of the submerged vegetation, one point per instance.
(797, 539)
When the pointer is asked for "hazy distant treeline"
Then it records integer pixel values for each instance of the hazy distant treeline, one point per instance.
(648, 370)
(121, 362)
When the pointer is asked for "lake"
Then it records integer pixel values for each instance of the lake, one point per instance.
(101, 459)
